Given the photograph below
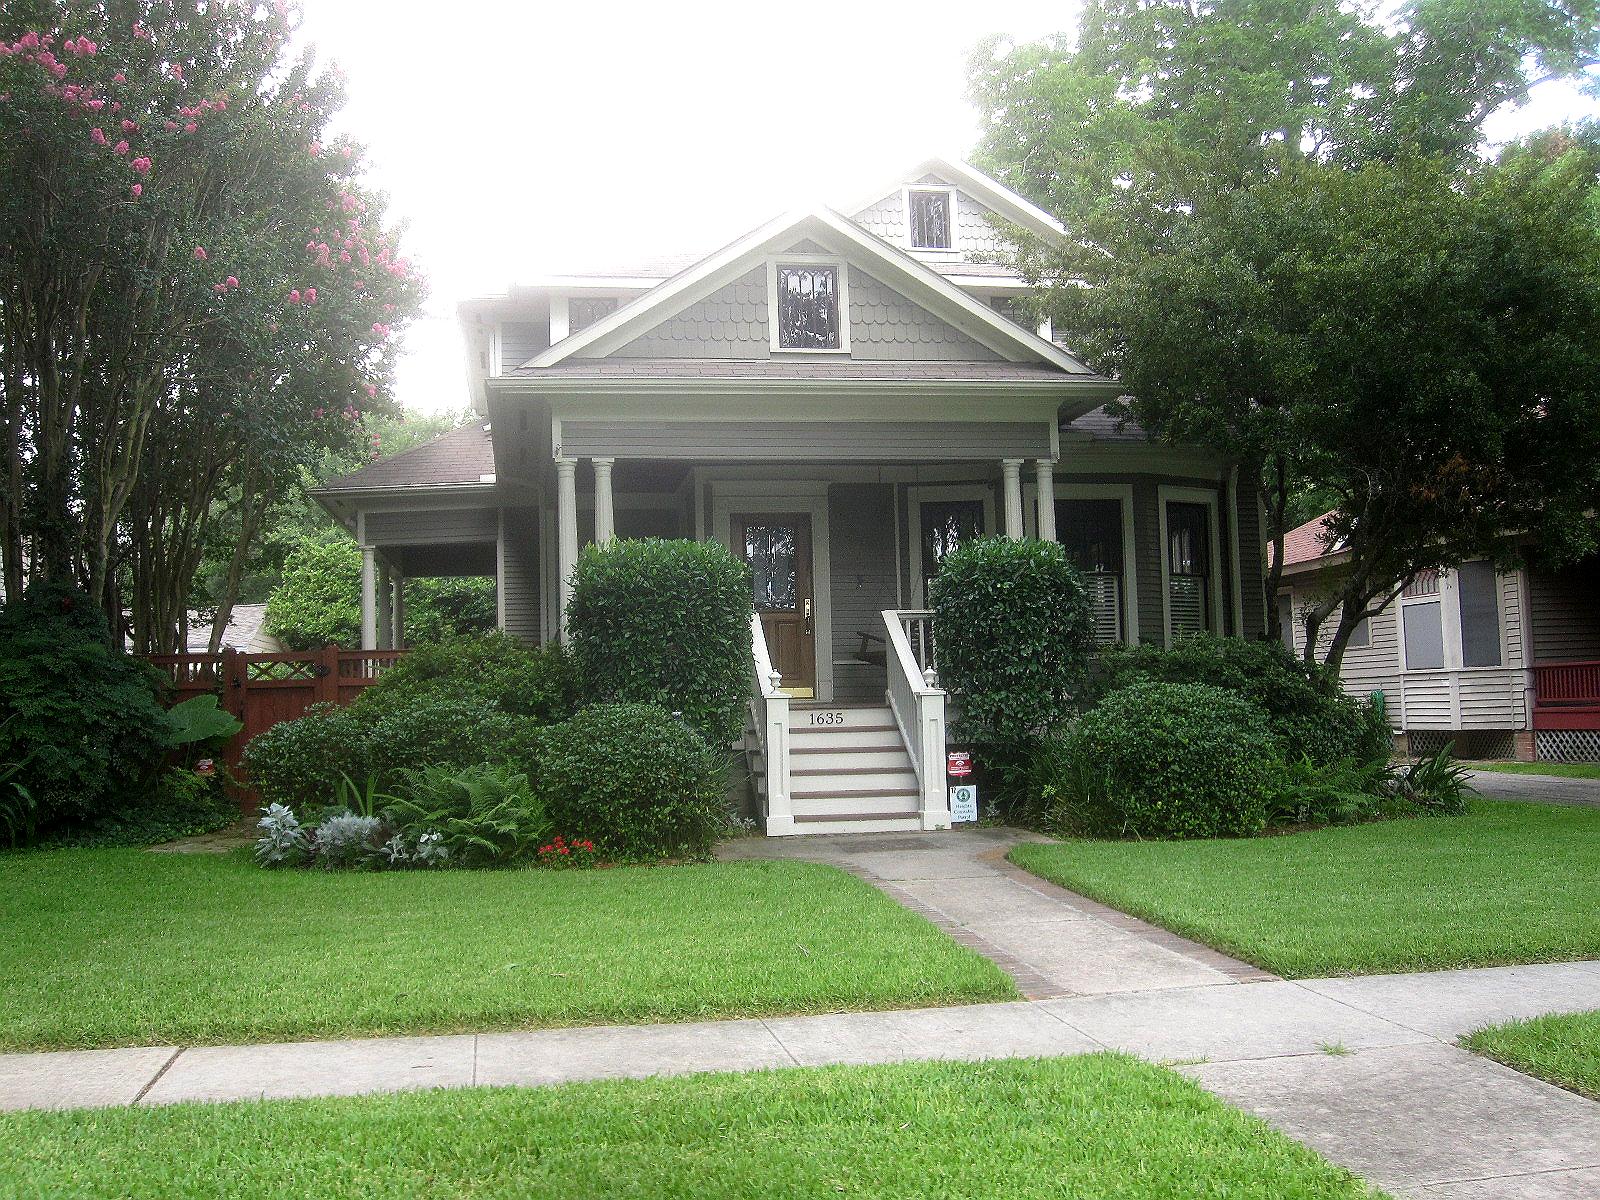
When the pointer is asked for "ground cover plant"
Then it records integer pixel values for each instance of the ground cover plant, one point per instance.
(1098, 1127)
(1562, 1049)
(1503, 883)
(124, 947)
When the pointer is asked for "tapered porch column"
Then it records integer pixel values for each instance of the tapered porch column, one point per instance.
(397, 639)
(1044, 472)
(566, 532)
(385, 638)
(369, 597)
(1011, 472)
(605, 521)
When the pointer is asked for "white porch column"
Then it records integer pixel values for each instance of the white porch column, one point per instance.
(567, 532)
(397, 639)
(1011, 471)
(385, 639)
(369, 598)
(605, 522)
(1044, 471)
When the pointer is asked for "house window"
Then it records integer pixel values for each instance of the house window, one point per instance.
(808, 315)
(1361, 635)
(1422, 627)
(929, 218)
(1477, 590)
(1091, 533)
(945, 525)
(1188, 568)
(1286, 620)
(584, 311)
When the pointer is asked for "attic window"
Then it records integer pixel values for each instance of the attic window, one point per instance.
(808, 307)
(584, 311)
(928, 213)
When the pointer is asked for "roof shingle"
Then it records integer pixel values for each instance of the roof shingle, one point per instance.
(461, 456)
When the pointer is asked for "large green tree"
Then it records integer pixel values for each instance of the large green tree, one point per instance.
(197, 294)
(1283, 239)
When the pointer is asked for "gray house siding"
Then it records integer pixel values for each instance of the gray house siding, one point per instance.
(886, 325)
(521, 340)
(1564, 607)
(730, 323)
(519, 568)
(424, 527)
(869, 441)
(861, 520)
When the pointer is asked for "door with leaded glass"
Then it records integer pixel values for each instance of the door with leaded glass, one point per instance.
(778, 548)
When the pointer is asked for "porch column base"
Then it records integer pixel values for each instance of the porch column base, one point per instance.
(779, 826)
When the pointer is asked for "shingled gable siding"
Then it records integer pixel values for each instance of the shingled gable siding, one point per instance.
(975, 234)
(731, 323)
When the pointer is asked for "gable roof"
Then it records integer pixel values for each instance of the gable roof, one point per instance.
(980, 187)
(461, 457)
(1306, 545)
(892, 266)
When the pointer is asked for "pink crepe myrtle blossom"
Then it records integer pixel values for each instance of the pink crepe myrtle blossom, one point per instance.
(311, 295)
(30, 40)
(140, 32)
(171, 125)
(294, 296)
(190, 127)
(94, 105)
(200, 253)
(141, 165)
(119, 77)
(138, 190)
(128, 126)
(121, 147)
(231, 281)
(372, 394)
(97, 136)
(177, 70)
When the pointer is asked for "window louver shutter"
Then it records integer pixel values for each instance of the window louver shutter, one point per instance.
(1105, 608)
(1188, 605)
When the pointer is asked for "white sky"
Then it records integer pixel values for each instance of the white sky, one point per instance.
(521, 138)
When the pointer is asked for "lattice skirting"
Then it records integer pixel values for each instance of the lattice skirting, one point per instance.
(1467, 743)
(1567, 745)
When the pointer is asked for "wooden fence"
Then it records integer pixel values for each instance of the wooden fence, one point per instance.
(264, 689)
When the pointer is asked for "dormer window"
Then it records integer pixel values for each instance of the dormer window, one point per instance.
(928, 218)
(808, 306)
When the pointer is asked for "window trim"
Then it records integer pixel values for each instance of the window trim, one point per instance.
(953, 250)
(1123, 492)
(1167, 494)
(1448, 598)
(916, 496)
(808, 260)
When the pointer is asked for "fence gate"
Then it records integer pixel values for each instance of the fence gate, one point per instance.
(263, 689)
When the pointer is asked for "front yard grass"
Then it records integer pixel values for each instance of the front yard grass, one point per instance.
(1505, 883)
(1094, 1128)
(1563, 1050)
(1560, 770)
(124, 947)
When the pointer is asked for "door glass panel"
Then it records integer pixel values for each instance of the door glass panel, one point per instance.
(945, 525)
(770, 551)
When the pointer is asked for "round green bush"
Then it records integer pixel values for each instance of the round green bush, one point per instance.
(635, 780)
(493, 667)
(668, 623)
(1303, 702)
(1168, 760)
(1012, 628)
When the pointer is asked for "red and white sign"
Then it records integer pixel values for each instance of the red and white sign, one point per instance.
(958, 764)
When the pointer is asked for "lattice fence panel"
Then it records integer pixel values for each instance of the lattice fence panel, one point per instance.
(1567, 745)
(1466, 743)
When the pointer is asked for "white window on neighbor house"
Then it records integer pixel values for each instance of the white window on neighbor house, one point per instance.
(1450, 620)
(1092, 533)
(809, 305)
(1189, 567)
(929, 218)
(1478, 601)
(1422, 622)
(1286, 620)
(1361, 635)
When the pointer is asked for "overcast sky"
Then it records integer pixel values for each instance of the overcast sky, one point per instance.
(519, 138)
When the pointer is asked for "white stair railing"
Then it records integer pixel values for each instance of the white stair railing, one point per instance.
(769, 706)
(918, 703)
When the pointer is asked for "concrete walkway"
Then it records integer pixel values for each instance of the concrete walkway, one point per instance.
(1363, 1069)
(1548, 789)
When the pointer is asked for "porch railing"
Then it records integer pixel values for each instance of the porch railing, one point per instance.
(918, 705)
(769, 708)
(1566, 695)
(918, 626)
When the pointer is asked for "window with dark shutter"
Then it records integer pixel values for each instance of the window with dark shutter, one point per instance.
(808, 307)
(1188, 568)
(1091, 533)
(930, 220)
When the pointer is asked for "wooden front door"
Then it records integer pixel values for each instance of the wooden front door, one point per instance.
(778, 548)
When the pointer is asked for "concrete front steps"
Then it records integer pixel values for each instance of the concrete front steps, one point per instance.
(849, 771)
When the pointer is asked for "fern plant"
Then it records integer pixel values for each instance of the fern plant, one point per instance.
(484, 815)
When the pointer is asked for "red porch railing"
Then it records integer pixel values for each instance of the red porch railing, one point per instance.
(1566, 695)
(264, 689)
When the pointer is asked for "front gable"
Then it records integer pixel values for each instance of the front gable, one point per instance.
(974, 233)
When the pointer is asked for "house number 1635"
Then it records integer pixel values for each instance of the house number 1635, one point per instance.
(827, 718)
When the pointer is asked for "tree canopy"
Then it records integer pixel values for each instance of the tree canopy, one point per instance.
(198, 294)
(1284, 238)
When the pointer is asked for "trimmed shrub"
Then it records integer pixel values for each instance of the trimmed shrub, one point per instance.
(635, 780)
(300, 763)
(1011, 623)
(667, 623)
(492, 667)
(81, 729)
(1166, 760)
(1303, 702)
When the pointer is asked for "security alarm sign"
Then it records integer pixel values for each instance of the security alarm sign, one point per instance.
(958, 764)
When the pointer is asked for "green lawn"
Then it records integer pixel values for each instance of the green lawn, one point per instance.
(124, 947)
(1092, 1128)
(1565, 1050)
(1506, 883)
(1563, 770)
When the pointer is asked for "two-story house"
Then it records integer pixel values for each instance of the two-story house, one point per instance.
(840, 396)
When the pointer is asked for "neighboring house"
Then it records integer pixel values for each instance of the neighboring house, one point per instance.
(246, 631)
(840, 396)
(1501, 663)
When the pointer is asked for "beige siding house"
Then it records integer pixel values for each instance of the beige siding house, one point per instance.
(1501, 663)
(840, 396)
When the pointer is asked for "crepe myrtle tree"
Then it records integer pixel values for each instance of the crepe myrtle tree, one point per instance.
(197, 292)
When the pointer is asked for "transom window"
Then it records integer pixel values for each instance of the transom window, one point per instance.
(1091, 533)
(808, 316)
(929, 218)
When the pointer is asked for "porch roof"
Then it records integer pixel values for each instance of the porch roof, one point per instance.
(460, 458)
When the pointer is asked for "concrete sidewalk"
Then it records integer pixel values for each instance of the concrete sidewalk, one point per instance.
(1545, 789)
